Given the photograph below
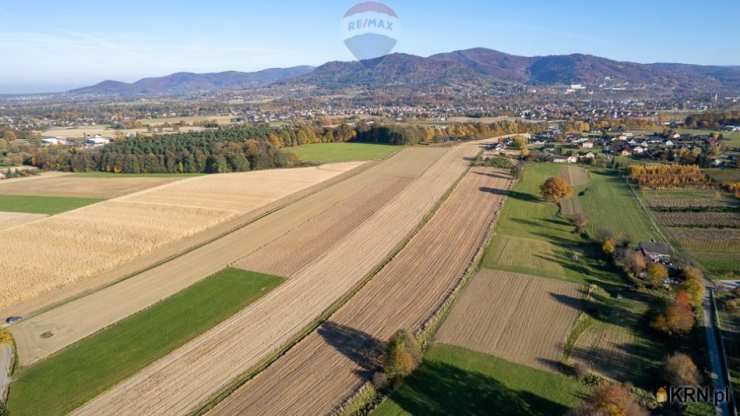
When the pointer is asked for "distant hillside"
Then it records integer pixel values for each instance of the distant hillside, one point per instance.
(484, 66)
(183, 83)
(466, 69)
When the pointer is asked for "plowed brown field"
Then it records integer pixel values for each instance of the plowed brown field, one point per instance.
(82, 187)
(63, 249)
(184, 380)
(516, 317)
(82, 317)
(329, 365)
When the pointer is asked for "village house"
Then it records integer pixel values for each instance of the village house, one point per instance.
(656, 252)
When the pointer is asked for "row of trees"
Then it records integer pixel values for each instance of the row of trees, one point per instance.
(415, 134)
(666, 176)
(712, 121)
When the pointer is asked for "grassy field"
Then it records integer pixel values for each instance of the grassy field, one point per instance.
(455, 380)
(531, 238)
(342, 152)
(42, 204)
(77, 374)
(609, 203)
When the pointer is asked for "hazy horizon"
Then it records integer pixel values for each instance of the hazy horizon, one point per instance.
(52, 47)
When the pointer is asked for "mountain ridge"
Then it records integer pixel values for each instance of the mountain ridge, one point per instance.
(467, 68)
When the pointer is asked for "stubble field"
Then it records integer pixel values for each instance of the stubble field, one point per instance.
(519, 318)
(81, 244)
(82, 317)
(83, 186)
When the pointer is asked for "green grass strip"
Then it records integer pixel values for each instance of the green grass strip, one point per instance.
(454, 380)
(342, 152)
(42, 204)
(67, 380)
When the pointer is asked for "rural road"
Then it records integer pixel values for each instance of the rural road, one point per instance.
(6, 365)
(715, 355)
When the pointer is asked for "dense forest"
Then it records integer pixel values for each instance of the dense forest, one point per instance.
(216, 151)
(238, 149)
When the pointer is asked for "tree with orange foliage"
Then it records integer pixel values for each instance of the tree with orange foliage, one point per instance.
(677, 318)
(680, 370)
(555, 189)
(693, 285)
(610, 400)
(609, 246)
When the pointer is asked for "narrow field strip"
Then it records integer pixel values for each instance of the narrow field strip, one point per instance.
(79, 186)
(61, 383)
(330, 364)
(50, 205)
(187, 378)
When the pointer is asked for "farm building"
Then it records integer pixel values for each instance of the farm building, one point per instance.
(656, 251)
(97, 141)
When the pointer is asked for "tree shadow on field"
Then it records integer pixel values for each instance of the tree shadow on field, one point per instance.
(437, 388)
(493, 175)
(365, 350)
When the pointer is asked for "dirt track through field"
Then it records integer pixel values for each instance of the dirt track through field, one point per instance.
(14, 219)
(329, 365)
(62, 250)
(83, 187)
(574, 175)
(181, 382)
(513, 316)
(82, 317)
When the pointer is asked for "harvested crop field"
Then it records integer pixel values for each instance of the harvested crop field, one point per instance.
(13, 219)
(519, 318)
(74, 246)
(699, 219)
(331, 363)
(83, 187)
(186, 379)
(574, 175)
(82, 317)
(290, 253)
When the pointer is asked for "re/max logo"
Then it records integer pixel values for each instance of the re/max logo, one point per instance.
(694, 394)
(361, 24)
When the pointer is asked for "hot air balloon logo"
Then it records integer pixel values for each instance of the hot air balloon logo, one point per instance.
(370, 30)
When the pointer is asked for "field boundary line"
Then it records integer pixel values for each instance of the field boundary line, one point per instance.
(268, 360)
(232, 226)
(366, 397)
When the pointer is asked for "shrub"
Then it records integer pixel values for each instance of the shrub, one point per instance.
(610, 399)
(402, 356)
(609, 246)
(695, 291)
(635, 262)
(680, 370)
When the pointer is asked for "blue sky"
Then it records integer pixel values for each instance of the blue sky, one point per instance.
(54, 45)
